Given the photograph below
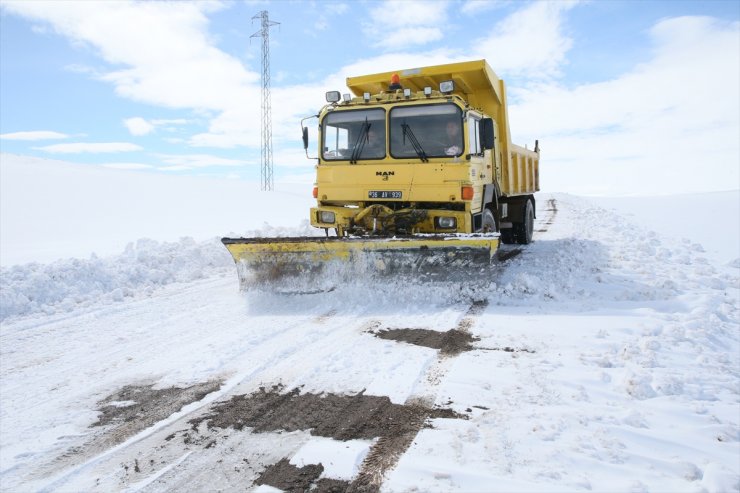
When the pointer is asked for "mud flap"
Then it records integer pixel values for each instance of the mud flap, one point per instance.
(319, 264)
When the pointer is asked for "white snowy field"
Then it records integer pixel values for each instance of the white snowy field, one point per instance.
(708, 219)
(607, 358)
(51, 210)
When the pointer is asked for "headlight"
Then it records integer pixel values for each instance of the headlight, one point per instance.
(446, 223)
(326, 217)
(332, 96)
(446, 86)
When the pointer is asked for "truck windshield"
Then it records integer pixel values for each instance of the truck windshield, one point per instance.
(353, 135)
(437, 129)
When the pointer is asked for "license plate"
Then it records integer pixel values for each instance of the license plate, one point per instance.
(384, 194)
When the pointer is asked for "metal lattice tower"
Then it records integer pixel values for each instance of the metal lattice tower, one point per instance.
(266, 134)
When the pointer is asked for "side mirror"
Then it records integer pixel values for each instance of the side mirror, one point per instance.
(304, 135)
(486, 133)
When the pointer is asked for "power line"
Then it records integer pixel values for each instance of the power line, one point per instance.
(266, 177)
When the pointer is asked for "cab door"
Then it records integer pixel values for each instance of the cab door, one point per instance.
(480, 168)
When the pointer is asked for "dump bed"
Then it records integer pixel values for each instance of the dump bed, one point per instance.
(517, 168)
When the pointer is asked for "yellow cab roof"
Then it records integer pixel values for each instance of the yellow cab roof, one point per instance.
(475, 81)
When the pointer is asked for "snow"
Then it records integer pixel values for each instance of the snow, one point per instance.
(51, 210)
(144, 265)
(341, 460)
(621, 374)
(709, 219)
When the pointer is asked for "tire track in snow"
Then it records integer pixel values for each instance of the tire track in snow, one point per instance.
(552, 209)
(386, 452)
(279, 342)
(384, 455)
(289, 345)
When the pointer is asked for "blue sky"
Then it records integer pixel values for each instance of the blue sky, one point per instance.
(625, 97)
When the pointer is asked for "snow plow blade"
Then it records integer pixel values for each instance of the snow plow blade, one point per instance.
(319, 264)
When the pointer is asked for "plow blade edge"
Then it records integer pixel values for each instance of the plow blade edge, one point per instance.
(314, 261)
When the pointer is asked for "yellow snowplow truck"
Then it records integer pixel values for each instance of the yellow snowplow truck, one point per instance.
(416, 173)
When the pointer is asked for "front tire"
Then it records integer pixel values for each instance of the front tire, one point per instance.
(488, 222)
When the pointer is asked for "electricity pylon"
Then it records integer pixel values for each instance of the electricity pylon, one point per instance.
(266, 178)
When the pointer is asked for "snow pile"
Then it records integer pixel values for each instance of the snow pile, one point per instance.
(66, 284)
(599, 256)
(269, 231)
(707, 218)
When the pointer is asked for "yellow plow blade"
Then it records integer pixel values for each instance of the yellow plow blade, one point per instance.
(321, 263)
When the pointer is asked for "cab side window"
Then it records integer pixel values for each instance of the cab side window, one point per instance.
(474, 135)
(336, 141)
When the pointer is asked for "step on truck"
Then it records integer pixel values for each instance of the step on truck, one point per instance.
(416, 173)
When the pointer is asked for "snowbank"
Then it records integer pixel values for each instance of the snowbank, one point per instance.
(602, 256)
(575, 265)
(65, 285)
(144, 265)
(709, 219)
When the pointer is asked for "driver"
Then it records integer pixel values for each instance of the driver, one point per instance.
(375, 147)
(453, 138)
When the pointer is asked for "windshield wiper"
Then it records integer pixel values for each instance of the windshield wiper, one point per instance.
(414, 142)
(362, 138)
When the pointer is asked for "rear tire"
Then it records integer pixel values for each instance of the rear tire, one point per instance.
(524, 230)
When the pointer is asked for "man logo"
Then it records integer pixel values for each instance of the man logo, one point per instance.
(384, 174)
